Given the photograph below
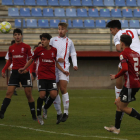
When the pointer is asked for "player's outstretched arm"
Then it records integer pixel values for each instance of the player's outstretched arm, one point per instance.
(21, 70)
(6, 67)
(60, 68)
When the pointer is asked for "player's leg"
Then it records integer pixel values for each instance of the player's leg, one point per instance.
(57, 101)
(65, 98)
(42, 94)
(26, 82)
(124, 99)
(118, 88)
(52, 88)
(7, 100)
(57, 105)
(13, 82)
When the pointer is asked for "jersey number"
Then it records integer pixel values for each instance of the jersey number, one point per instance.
(130, 33)
(136, 64)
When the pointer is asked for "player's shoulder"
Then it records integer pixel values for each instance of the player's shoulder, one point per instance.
(12, 46)
(53, 48)
(53, 38)
(69, 39)
(26, 45)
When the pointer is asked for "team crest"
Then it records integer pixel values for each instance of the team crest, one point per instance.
(121, 57)
(22, 50)
(52, 54)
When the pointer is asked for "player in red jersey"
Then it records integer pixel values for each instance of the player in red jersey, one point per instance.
(46, 57)
(130, 61)
(18, 55)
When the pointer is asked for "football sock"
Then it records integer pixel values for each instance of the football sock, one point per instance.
(118, 119)
(65, 99)
(48, 102)
(5, 104)
(39, 106)
(135, 114)
(57, 104)
(117, 92)
(32, 109)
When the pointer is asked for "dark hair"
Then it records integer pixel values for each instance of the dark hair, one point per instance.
(35, 46)
(126, 39)
(12, 42)
(46, 35)
(114, 24)
(39, 43)
(17, 30)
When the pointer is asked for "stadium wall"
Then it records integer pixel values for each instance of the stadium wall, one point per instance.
(93, 72)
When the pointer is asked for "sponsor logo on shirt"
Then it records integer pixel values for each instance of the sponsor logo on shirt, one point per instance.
(47, 60)
(55, 40)
(18, 56)
(12, 50)
(42, 54)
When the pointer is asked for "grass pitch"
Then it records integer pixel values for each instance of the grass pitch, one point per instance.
(90, 111)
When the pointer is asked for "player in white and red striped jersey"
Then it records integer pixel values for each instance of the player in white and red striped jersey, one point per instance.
(65, 48)
(130, 62)
(116, 31)
(19, 53)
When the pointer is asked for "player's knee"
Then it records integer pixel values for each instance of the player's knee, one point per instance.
(63, 90)
(53, 95)
(9, 94)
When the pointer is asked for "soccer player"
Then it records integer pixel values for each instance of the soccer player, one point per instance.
(10, 67)
(116, 31)
(130, 62)
(18, 55)
(46, 56)
(65, 47)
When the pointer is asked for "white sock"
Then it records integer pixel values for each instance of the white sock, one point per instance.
(57, 104)
(65, 99)
(117, 92)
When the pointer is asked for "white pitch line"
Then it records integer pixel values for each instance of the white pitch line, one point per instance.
(67, 134)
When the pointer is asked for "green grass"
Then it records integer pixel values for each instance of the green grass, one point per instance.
(90, 111)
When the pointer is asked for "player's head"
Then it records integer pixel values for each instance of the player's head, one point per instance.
(35, 47)
(17, 34)
(114, 25)
(12, 42)
(39, 44)
(45, 39)
(62, 29)
(125, 41)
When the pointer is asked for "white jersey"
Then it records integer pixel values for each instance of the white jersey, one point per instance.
(135, 39)
(65, 47)
(7, 58)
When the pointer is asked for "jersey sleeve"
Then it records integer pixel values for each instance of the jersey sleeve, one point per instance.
(138, 31)
(116, 40)
(7, 56)
(72, 49)
(36, 53)
(51, 42)
(29, 52)
(10, 54)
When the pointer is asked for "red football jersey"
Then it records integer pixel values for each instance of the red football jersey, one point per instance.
(20, 54)
(45, 62)
(132, 59)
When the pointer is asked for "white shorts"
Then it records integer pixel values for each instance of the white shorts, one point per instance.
(60, 75)
(120, 66)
